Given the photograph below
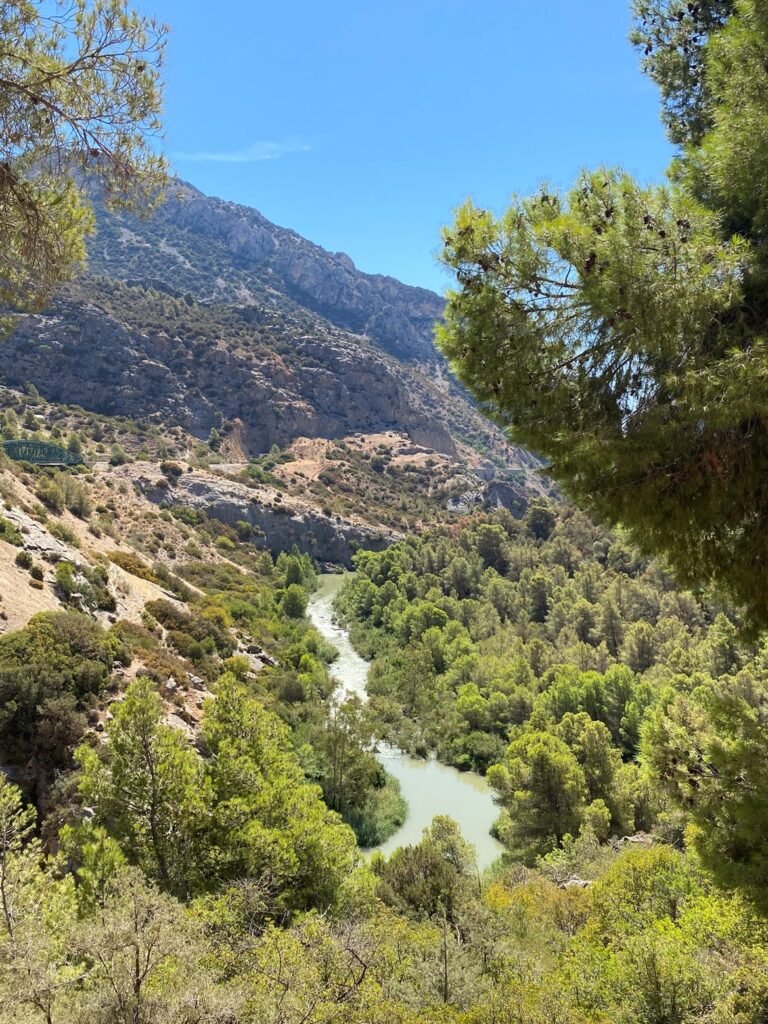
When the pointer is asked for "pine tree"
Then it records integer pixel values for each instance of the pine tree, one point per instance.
(79, 96)
(619, 330)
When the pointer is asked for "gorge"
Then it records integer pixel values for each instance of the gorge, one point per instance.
(428, 787)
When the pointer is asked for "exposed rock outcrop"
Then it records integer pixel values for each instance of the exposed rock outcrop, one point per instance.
(252, 253)
(330, 386)
(207, 316)
(278, 523)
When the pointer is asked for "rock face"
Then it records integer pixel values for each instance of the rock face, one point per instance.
(222, 250)
(510, 494)
(278, 523)
(329, 384)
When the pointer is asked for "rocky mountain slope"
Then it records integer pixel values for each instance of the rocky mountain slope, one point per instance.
(245, 336)
(222, 251)
(131, 352)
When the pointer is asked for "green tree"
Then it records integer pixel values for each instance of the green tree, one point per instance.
(268, 821)
(350, 769)
(433, 878)
(147, 958)
(51, 672)
(708, 750)
(619, 330)
(608, 780)
(148, 787)
(540, 520)
(79, 94)
(20, 855)
(671, 38)
(542, 789)
(295, 601)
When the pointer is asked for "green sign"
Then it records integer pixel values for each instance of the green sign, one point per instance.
(42, 453)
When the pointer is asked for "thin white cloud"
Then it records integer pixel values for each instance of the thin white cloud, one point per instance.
(253, 154)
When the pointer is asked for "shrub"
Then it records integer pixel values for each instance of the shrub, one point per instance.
(59, 658)
(198, 627)
(75, 496)
(91, 584)
(131, 563)
(186, 645)
(117, 456)
(160, 664)
(24, 560)
(190, 516)
(135, 636)
(65, 533)
(172, 582)
(295, 601)
(65, 580)
(64, 491)
(51, 495)
(171, 470)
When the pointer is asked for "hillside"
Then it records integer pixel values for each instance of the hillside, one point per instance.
(219, 250)
(245, 336)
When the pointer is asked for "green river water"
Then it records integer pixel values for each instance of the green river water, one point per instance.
(429, 787)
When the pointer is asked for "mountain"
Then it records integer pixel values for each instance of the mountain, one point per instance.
(246, 336)
(223, 251)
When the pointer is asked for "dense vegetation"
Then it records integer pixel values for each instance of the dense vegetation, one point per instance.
(214, 880)
(417, 939)
(620, 330)
(600, 699)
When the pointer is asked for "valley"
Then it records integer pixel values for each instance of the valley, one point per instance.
(428, 787)
(369, 655)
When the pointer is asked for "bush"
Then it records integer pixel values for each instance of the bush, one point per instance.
(63, 532)
(134, 636)
(91, 584)
(58, 657)
(75, 496)
(51, 495)
(295, 601)
(160, 665)
(198, 627)
(131, 563)
(65, 580)
(64, 491)
(171, 470)
(382, 814)
(117, 456)
(186, 645)
(172, 582)
(188, 516)
(24, 560)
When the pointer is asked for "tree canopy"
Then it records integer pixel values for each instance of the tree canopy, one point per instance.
(619, 330)
(79, 100)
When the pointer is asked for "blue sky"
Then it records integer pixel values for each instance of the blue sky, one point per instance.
(361, 125)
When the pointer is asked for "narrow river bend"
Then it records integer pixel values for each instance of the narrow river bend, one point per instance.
(429, 787)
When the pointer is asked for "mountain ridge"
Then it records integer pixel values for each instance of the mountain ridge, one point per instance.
(201, 316)
(263, 257)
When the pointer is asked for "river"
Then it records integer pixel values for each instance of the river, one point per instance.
(429, 787)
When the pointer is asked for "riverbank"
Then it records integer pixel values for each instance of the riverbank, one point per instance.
(429, 788)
